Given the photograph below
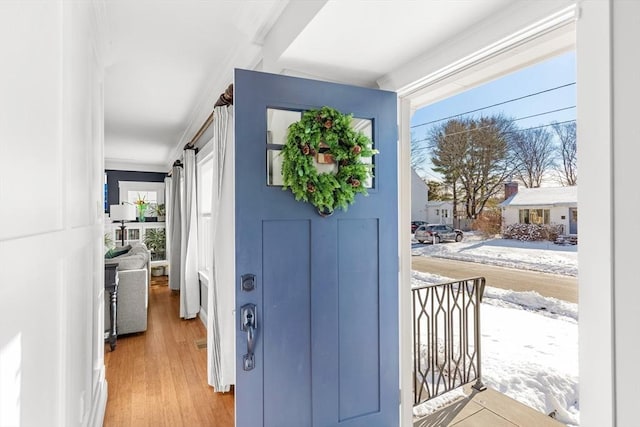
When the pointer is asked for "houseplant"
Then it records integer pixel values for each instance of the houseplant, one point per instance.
(155, 239)
(161, 212)
(141, 207)
(109, 244)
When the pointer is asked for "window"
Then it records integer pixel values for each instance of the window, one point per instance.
(150, 196)
(105, 194)
(437, 212)
(278, 122)
(534, 216)
(445, 213)
(204, 183)
(152, 192)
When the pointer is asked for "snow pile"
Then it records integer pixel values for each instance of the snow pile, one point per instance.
(438, 402)
(537, 256)
(531, 301)
(529, 349)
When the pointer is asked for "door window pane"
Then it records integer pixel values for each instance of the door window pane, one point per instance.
(278, 122)
(274, 167)
(365, 126)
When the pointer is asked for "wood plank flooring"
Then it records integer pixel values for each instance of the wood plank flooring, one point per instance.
(159, 377)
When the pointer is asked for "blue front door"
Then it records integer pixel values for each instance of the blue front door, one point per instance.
(322, 292)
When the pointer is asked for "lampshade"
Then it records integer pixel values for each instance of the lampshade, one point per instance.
(122, 212)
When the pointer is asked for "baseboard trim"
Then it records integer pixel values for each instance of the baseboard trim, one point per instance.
(99, 405)
(203, 317)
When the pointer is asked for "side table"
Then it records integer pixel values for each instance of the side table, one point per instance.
(111, 286)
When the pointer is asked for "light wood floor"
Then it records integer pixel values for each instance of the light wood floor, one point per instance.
(159, 377)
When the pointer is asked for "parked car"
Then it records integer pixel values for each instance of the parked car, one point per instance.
(435, 233)
(416, 224)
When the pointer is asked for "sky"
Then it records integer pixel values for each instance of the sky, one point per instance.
(539, 368)
(546, 76)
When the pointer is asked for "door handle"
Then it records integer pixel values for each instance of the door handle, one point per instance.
(249, 324)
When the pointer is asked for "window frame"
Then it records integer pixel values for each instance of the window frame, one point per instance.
(532, 215)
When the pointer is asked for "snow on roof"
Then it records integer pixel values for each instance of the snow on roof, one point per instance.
(544, 196)
(436, 203)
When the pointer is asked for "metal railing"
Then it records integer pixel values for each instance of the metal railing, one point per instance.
(446, 330)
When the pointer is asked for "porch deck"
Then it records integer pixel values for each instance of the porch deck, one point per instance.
(488, 408)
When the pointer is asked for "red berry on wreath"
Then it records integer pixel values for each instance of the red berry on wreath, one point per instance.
(356, 149)
(354, 182)
(328, 124)
(311, 188)
(306, 150)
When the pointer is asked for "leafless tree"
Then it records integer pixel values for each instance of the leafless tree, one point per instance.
(419, 153)
(471, 154)
(532, 155)
(568, 169)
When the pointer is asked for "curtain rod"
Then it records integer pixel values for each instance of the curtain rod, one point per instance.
(176, 163)
(225, 99)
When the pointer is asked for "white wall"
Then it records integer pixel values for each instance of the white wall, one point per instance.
(608, 90)
(510, 216)
(51, 216)
(626, 205)
(595, 192)
(556, 214)
(419, 198)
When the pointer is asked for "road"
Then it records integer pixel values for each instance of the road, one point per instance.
(548, 285)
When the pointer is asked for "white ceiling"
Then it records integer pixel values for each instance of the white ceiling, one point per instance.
(364, 40)
(169, 60)
(162, 56)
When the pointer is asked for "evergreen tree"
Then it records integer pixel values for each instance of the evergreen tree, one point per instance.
(437, 190)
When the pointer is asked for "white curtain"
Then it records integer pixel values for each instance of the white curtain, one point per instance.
(189, 281)
(167, 198)
(174, 224)
(221, 300)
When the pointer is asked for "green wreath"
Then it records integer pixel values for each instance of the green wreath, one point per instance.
(326, 132)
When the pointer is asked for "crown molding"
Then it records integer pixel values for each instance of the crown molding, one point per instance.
(450, 58)
(126, 165)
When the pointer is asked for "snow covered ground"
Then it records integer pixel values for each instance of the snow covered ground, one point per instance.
(530, 343)
(537, 256)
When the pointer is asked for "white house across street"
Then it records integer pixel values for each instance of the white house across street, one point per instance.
(544, 205)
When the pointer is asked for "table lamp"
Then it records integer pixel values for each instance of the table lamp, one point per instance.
(122, 213)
